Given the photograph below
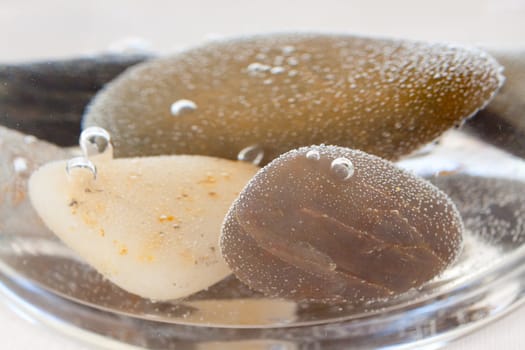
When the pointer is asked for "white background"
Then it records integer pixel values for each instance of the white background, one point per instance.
(37, 29)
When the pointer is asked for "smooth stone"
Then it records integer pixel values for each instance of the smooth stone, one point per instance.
(47, 98)
(20, 155)
(282, 91)
(492, 208)
(301, 230)
(149, 225)
(502, 123)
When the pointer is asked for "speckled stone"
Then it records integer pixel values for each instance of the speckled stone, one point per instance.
(300, 230)
(283, 91)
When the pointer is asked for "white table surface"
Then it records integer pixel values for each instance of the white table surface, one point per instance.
(36, 29)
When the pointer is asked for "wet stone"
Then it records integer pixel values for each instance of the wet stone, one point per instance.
(386, 97)
(493, 208)
(20, 155)
(300, 231)
(154, 219)
(502, 122)
(47, 98)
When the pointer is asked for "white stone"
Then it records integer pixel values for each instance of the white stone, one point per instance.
(150, 225)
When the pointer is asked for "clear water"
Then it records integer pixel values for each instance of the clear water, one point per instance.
(490, 199)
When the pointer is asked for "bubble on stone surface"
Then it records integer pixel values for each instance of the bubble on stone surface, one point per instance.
(256, 67)
(292, 61)
(297, 232)
(277, 70)
(252, 154)
(20, 165)
(237, 108)
(81, 163)
(29, 139)
(313, 154)
(492, 208)
(182, 107)
(95, 141)
(287, 50)
(342, 168)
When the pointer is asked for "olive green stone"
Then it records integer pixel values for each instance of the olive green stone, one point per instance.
(283, 91)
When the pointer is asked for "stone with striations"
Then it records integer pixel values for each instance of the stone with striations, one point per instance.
(300, 230)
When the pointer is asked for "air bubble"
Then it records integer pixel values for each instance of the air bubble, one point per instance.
(306, 56)
(287, 50)
(251, 154)
(29, 139)
(96, 141)
(20, 165)
(81, 163)
(257, 67)
(277, 70)
(292, 61)
(342, 168)
(278, 60)
(196, 128)
(181, 107)
(313, 155)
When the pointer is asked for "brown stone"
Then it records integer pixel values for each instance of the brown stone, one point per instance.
(301, 231)
(386, 97)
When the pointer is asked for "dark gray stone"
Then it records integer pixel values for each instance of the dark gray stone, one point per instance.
(47, 99)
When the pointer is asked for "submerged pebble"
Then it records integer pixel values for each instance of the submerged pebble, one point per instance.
(298, 230)
(20, 155)
(492, 208)
(502, 122)
(386, 97)
(149, 225)
(47, 98)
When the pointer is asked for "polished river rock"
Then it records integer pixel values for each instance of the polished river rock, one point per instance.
(327, 223)
(282, 91)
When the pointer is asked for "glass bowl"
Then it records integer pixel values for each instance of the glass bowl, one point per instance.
(480, 166)
(44, 277)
